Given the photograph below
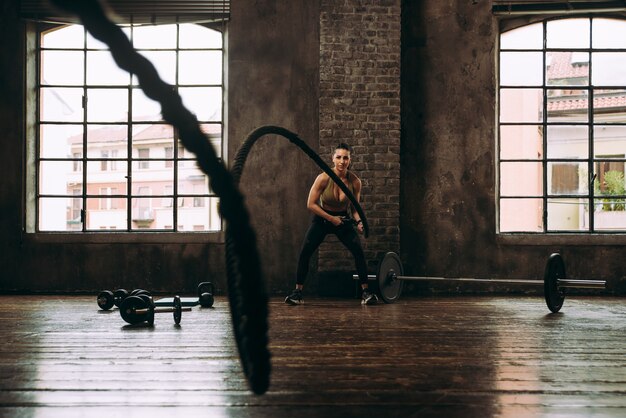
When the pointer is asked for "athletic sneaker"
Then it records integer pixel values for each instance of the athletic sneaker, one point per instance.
(368, 298)
(295, 298)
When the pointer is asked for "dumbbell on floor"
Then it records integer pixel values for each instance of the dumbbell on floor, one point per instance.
(205, 297)
(107, 299)
(138, 309)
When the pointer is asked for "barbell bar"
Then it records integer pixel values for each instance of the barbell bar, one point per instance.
(390, 278)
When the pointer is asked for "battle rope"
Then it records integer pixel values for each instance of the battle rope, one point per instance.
(244, 150)
(245, 281)
(245, 300)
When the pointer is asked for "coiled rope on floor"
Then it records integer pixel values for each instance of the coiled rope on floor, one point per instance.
(244, 278)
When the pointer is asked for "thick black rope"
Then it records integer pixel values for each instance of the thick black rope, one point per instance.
(243, 263)
(242, 297)
(244, 150)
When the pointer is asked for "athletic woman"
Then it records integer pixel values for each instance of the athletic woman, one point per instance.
(333, 214)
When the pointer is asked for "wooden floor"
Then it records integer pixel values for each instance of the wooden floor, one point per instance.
(445, 356)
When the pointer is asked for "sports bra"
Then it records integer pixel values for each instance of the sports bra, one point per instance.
(329, 196)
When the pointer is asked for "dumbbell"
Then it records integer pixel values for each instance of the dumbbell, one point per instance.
(138, 309)
(107, 299)
(205, 297)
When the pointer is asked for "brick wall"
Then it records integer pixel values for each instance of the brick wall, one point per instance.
(360, 105)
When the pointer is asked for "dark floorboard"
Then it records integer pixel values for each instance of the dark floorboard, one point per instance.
(470, 356)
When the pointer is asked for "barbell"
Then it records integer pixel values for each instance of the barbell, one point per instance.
(391, 278)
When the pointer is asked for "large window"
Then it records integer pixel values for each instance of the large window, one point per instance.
(100, 155)
(562, 126)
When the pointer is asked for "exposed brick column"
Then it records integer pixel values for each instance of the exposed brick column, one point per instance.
(360, 105)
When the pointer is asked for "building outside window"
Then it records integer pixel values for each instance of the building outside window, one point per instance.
(104, 158)
(562, 127)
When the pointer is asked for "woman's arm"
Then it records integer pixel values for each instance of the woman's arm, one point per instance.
(357, 195)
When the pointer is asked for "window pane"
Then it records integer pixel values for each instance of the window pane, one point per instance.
(156, 178)
(64, 37)
(60, 141)
(521, 69)
(142, 213)
(521, 179)
(61, 104)
(191, 179)
(569, 105)
(526, 37)
(567, 68)
(568, 214)
(109, 137)
(144, 108)
(567, 33)
(106, 174)
(57, 177)
(154, 37)
(610, 189)
(154, 138)
(521, 215)
(107, 105)
(102, 70)
(198, 218)
(150, 213)
(200, 67)
(610, 220)
(609, 106)
(609, 33)
(609, 140)
(60, 214)
(521, 142)
(521, 105)
(106, 213)
(568, 178)
(165, 64)
(204, 102)
(568, 141)
(609, 180)
(609, 68)
(62, 68)
(196, 36)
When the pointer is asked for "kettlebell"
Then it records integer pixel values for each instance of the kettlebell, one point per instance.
(205, 294)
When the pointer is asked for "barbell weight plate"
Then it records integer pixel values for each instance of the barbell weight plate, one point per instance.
(178, 310)
(205, 287)
(151, 308)
(138, 292)
(555, 270)
(389, 289)
(146, 298)
(128, 308)
(118, 296)
(105, 300)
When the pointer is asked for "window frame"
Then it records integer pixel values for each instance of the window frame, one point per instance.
(547, 235)
(33, 31)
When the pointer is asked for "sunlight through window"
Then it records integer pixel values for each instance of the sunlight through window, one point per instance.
(105, 159)
(562, 127)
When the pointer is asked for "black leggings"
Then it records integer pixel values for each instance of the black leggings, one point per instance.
(346, 233)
